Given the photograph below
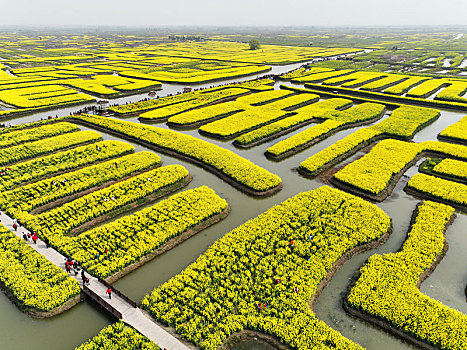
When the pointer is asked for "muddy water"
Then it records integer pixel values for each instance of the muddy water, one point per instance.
(19, 331)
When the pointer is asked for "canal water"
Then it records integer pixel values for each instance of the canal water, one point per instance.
(446, 284)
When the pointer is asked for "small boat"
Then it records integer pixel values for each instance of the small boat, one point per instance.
(152, 93)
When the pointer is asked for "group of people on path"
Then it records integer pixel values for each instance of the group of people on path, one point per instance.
(69, 262)
(32, 236)
(4, 172)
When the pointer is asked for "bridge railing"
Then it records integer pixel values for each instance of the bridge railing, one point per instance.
(117, 292)
(98, 299)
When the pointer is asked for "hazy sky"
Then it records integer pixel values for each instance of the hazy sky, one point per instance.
(234, 12)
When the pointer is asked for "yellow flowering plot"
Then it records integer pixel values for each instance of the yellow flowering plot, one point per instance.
(404, 86)
(301, 72)
(256, 84)
(33, 280)
(154, 103)
(100, 84)
(373, 173)
(453, 92)
(451, 192)
(26, 125)
(254, 117)
(247, 279)
(335, 119)
(404, 122)
(42, 96)
(446, 149)
(456, 132)
(206, 114)
(387, 286)
(452, 168)
(253, 85)
(428, 87)
(338, 151)
(264, 97)
(239, 169)
(202, 100)
(24, 172)
(381, 84)
(196, 76)
(235, 51)
(37, 148)
(119, 336)
(34, 134)
(34, 195)
(304, 116)
(63, 219)
(395, 99)
(303, 139)
(108, 249)
(355, 79)
(210, 113)
(317, 77)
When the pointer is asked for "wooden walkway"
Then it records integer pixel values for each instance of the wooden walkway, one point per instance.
(120, 306)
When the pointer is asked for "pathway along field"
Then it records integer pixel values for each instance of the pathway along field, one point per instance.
(133, 316)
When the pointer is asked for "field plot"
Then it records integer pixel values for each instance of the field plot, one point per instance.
(333, 121)
(443, 89)
(374, 174)
(456, 132)
(71, 194)
(35, 284)
(119, 337)
(253, 117)
(387, 287)
(403, 123)
(46, 96)
(277, 263)
(198, 98)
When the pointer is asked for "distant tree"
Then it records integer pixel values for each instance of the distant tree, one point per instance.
(254, 44)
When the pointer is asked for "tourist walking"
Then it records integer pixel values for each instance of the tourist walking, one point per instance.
(83, 277)
(109, 292)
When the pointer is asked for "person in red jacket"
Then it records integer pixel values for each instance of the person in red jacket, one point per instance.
(109, 292)
(34, 238)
